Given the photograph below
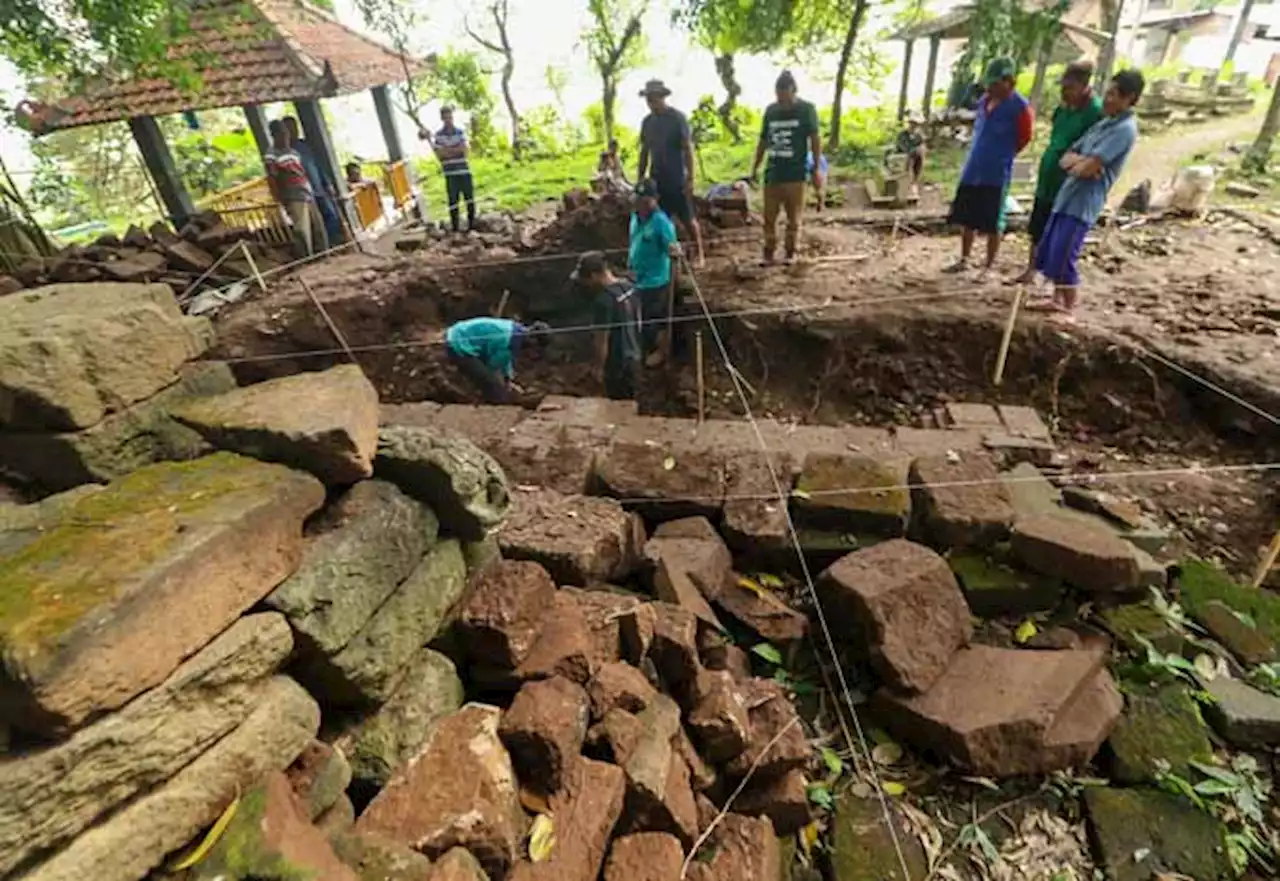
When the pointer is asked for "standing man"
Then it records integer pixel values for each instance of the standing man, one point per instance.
(651, 246)
(451, 148)
(790, 133)
(666, 155)
(1092, 165)
(616, 310)
(484, 350)
(1003, 127)
(1077, 113)
(324, 190)
(287, 180)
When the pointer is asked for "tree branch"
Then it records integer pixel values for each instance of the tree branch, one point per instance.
(466, 25)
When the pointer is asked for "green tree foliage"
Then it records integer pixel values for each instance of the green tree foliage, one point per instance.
(1005, 27)
(729, 27)
(458, 78)
(616, 45)
(398, 21)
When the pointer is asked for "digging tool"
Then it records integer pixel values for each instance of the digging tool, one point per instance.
(668, 342)
(702, 385)
(1268, 560)
(1003, 355)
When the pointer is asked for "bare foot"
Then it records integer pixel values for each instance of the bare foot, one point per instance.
(1045, 306)
(1027, 276)
(954, 268)
(1062, 316)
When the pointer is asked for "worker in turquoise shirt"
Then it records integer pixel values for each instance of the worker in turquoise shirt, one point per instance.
(653, 242)
(484, 351)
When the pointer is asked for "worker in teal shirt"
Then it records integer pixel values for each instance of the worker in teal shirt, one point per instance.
(653, 243)
(484, 351)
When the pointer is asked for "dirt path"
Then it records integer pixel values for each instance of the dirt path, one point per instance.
(1158, 158)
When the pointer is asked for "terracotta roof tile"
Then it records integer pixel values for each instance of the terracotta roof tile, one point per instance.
(245, 53)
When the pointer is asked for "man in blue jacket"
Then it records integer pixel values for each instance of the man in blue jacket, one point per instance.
(1003, 127)
(484, 351)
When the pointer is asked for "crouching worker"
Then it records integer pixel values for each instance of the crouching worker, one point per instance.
(484, 351)
(616, 312)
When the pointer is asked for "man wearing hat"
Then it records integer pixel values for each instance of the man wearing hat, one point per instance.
(1003, 127)
(666, 156)
(615, 311)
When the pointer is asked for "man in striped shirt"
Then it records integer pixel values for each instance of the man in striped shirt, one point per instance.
(451, 149)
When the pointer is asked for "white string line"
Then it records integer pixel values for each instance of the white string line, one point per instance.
(808, 577)
(1070, 477)
(583, 328)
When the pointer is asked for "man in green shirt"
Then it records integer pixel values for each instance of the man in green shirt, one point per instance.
(1077, 113)
(790, 131)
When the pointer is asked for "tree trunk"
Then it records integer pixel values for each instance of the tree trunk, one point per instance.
(1238, 35)
(608, 98)
(724, 67)
(1112, 13)
(1260, 153)
(842, 70)
(507, 70)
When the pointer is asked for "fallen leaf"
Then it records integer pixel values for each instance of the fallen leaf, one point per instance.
(887, 754)
(768, 652)
(862, 790)
(800, 494)
(832, 760)
(1025, 631)
(1207, 667)
(985, 782)
(668, 463)
(770, 581)
(542, 838)
(893, 787)
(808, 838)
(210, 838)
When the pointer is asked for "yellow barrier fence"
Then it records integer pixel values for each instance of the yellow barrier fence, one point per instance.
(399, 183)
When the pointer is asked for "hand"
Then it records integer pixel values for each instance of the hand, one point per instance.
(819, 180)
(674, 249)
(511, 384)
(1069, 161)
(1089, 167)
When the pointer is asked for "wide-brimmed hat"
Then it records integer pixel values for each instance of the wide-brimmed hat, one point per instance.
(655, 87)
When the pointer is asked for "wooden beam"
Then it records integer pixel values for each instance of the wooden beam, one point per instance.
(930, 73)
(906, 80)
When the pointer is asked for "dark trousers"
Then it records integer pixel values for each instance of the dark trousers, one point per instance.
(620, 378)
(492, 386)
(461, 187)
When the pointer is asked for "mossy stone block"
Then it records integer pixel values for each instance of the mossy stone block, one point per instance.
(994, 589)
(862, 847)
(1138, 833)
(1132, 623)
(1201, 583)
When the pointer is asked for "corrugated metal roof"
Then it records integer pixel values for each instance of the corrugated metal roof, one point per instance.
(244, 52)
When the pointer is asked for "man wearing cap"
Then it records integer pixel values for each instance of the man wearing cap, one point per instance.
(652, 244)
(789, 135)
(1003, 127)
(1077, 113)
(484, 351)
(615, 310)
(666, 156)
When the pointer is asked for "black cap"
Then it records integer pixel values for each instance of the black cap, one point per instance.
(646, 188)
(786, 80)
(590, 264)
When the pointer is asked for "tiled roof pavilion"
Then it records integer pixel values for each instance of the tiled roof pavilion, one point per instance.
(246, 52)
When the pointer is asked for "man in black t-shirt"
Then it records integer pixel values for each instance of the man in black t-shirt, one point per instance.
(616, 311)
(666, 156)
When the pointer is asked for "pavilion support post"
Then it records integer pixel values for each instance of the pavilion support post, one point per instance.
(906, 80)
(316, 131)
(387, 119)
(930, 74)
(160, 165)
(257, 119)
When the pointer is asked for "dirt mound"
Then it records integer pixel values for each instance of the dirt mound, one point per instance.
(598, 224)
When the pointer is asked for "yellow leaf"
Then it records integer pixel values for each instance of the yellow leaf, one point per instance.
(748, 584)
(1025, 631)
(886, 754)
(542, 838)
(668, 463)
(808, 838)
(210, 838)
(800, 494)
(770, 581)
(893, 787)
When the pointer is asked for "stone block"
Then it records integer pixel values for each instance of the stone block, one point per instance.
(980, 416)
(137, 838)
(421, 414)
(457, 865)
(994, 589)
(674, 647)
(141, 434)
(1158, 726)
(145, 266)
(504, 615)
(325, 422)
(543, 731)
(755, 516)
(644, 856)
(853, 493)
(763, 612)
(72, 353)
(995, 711)
(783, 800)
(863, 848)
(482, 424)
(337, 818)
(719, 717)
(1139, 833)
(902, 602)
(1242, 714)
(1031, 493)
(959, 502)
(1024, 422)
(319, 777)
(1249, 644)
(462, 484)
(374, 859)
(460, 790)
(385, 739)
(772, 715)
(619, 685)
(172, 555)
(48, 796)
(578, 539)
(368, 667)
(585, 412)
(688, 569)
(588, 806)
(915, 442)
(663, 482)
(740, 849)
(357, 553)
(549, 455)
(1089, 558)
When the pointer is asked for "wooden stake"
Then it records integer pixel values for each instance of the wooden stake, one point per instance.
(502, 303)
(253, 264)
(1268, 560)
(702, 385)
(669, 341)
(186, 295)
(1003, 355)
(333, 328)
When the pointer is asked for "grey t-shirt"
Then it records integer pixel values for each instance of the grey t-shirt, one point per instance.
(665, 135)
